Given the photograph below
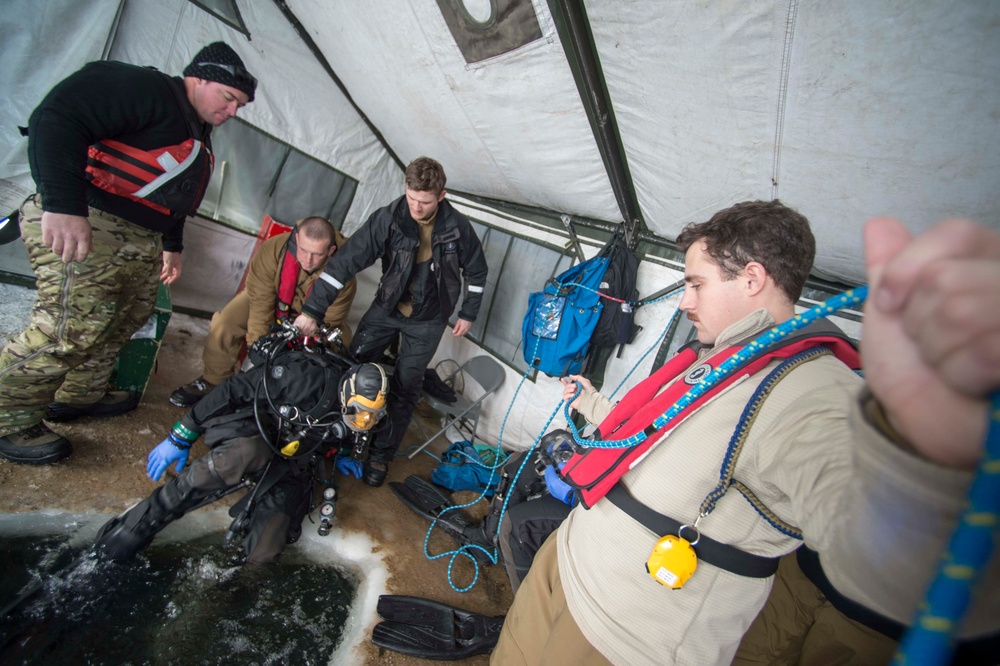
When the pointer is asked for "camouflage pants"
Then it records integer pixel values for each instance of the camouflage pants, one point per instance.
(84, 312)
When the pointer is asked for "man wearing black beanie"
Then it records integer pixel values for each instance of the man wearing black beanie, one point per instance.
(121, 156)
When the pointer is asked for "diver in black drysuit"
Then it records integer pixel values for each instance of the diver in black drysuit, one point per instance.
(306, 387)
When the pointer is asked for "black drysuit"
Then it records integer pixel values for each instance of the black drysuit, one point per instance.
(226, 418)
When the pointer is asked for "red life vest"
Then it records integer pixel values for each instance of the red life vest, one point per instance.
(288, 280)
(594, 471)
(170, 180)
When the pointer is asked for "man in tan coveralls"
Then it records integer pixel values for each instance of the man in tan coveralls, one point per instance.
(251, 312)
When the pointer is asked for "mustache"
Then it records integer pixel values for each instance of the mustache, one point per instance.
(692, 317)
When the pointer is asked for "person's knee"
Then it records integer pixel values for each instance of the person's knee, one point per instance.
(229, 324)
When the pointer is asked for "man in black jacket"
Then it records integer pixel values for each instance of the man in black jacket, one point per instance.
(426, 248)
(121, 156)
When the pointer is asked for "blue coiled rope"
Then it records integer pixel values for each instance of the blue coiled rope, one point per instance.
(465, 550)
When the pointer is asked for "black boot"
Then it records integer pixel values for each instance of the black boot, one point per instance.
(375, 472)
(125, 535)
(190, 394)
(111, 403)
(36, 445)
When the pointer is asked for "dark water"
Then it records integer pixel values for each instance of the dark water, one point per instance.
(177, 603)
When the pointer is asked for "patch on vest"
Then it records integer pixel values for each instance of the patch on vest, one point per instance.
(697, 374)
(278, 371)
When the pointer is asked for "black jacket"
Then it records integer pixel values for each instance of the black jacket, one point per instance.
(108, 100)
(390, 234)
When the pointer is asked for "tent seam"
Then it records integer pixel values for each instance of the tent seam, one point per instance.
(786, 59)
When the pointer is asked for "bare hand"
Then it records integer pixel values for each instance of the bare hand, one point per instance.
(462, 327)
(171, 267)
(306, 325)
(570, 388)
(69, 236)
(931, 344)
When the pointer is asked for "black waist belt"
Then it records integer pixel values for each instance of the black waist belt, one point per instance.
(969, 651)
(717, 554)
(809, 563)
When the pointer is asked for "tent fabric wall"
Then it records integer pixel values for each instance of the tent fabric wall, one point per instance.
(898, 115)
(891, 109)
(41, 43)
(844, 110)
(510, 128)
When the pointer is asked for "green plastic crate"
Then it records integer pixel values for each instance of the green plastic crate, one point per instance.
(137, 359)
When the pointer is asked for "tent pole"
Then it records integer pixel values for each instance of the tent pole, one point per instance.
(581, 54)
(308, 41)
(113, 32)
(567, 221)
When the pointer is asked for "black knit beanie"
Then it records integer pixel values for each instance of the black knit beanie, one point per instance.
(218, 62)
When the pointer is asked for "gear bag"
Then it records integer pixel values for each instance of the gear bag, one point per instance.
(467, 467)
(561, 319)
(615, 325)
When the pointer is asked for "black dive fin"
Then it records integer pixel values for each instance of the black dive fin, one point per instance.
(426, 500)
(432, 630)
(422, 497)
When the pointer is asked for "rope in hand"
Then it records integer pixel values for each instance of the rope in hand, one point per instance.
(930, 640)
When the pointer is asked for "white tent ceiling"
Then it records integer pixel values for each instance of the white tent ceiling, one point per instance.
(844, 110)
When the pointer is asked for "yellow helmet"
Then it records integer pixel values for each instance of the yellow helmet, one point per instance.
(363, 391)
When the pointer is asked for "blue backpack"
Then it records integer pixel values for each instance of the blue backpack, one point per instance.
(561, 319)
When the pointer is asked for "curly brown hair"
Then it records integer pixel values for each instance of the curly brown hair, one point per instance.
(768, 232)
(425, 175)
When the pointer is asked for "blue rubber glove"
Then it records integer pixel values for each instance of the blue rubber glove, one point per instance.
(349, 466)
(558, 488)
(165, 454)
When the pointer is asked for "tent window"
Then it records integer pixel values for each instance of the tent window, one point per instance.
(508, 25)
(224, 10)
(517, 268)
(482, 13)
(255, 174)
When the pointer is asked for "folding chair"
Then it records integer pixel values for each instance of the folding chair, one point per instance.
(486, 372)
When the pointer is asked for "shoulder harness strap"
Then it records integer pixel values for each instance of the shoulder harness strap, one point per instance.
(725, 556)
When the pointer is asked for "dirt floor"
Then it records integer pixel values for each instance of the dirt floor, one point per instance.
(106, 474)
